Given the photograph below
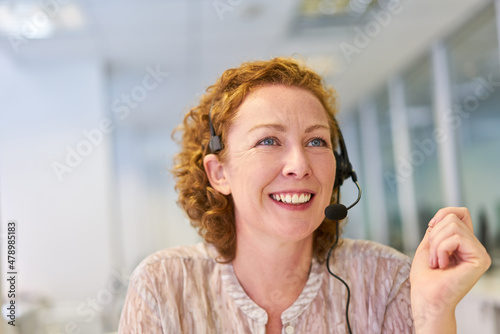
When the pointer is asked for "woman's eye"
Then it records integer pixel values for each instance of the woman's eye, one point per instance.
(268, 142)
(317, 142)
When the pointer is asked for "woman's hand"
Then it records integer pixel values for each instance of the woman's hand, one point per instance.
(447, 263)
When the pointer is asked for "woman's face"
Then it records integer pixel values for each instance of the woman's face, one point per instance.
(280, 166)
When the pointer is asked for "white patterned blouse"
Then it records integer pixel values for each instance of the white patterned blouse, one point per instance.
(185, 290)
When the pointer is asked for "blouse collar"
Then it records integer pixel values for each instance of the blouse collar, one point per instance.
(255, 312)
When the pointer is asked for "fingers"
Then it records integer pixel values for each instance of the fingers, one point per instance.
(449, 227)
(462, 214)
(444, 252)
(445, 225)
(451, 238)
(452, 251)
(442, 241)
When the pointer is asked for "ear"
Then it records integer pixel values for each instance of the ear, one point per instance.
(216, 175)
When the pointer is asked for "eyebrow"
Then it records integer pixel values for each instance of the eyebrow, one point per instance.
(282, 128)
(277, 127)
(316, 127)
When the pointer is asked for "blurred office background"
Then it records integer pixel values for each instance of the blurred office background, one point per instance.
(90, 92)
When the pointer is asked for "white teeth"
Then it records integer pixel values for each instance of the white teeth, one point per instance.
(292, 199)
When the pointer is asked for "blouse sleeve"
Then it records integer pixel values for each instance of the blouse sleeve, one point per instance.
(140, 313)
(398, 316)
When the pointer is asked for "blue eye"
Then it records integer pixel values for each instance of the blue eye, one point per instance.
(268, 141)
(317, 142)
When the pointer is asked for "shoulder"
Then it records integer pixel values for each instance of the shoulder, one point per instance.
(378, 279)
(371, 266)
(369, 250)
(363, 258)
(200, 251)
(166, 284)
(172, 260)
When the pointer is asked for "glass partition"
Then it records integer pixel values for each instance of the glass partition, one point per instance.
(475, 88)
(423, 144)
(389, 170)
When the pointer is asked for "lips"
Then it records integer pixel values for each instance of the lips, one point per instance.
(292, 198)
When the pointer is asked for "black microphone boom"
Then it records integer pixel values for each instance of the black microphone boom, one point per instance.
(339, 211)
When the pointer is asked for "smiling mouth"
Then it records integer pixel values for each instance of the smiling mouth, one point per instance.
(295, 199)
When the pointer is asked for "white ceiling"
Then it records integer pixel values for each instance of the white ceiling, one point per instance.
(194, 40)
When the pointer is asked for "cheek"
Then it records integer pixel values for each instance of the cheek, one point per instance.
(249, 175)
(326, 171)
(256, 165)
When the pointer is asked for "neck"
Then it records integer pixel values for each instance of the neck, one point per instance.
(273, 274)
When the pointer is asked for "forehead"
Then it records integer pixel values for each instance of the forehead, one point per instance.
(281, 104)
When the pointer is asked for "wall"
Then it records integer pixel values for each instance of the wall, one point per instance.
(55, 175)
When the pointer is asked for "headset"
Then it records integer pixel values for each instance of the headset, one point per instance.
(336, 211)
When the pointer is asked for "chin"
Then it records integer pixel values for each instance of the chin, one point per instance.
(297, 232)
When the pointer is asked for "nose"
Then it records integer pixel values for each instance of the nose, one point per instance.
(297, 163)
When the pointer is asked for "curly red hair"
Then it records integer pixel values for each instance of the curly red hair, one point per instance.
(211, 212)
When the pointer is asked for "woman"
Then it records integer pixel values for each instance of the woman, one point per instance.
(257, 197)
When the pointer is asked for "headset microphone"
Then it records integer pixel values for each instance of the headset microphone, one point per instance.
(344, 171)
(336, 212)
(339, 211)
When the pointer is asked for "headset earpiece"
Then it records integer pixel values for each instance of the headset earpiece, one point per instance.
(344, 167)
(339, 174)
(215, 143)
